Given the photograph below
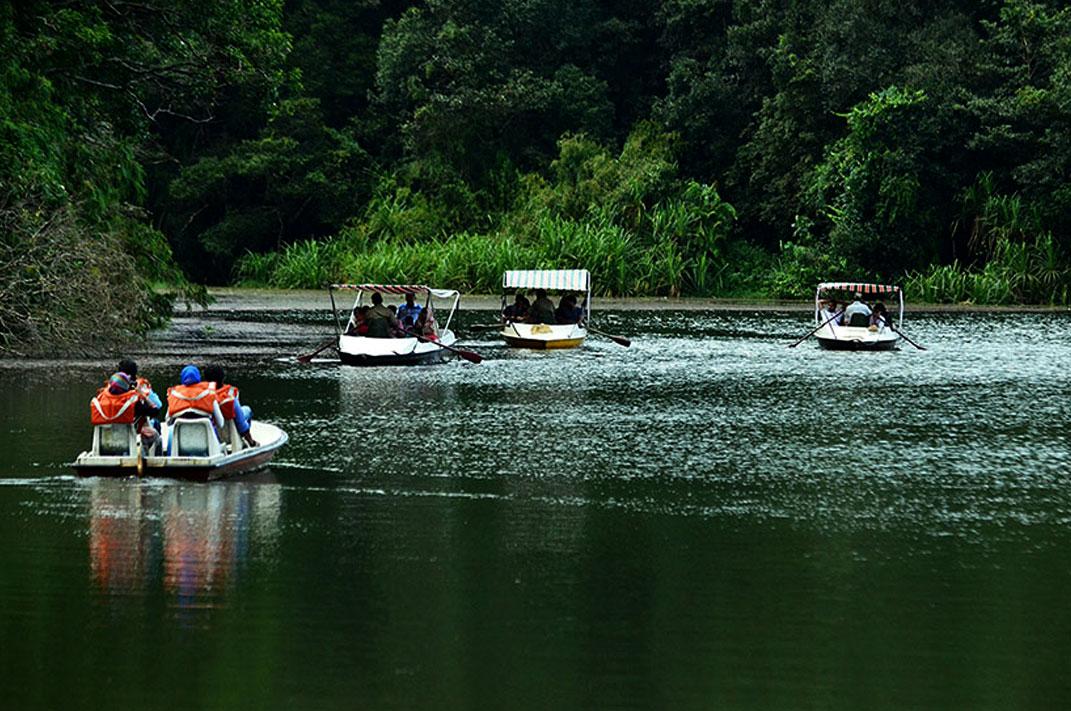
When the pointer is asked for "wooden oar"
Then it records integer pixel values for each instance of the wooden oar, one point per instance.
(834, 316)
(309, 356)
(467, 355)
(619, 340)
(902, 335)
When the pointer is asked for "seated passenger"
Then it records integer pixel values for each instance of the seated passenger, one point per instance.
(148, 427)
(880, 318)
(828, 312)
(380, 319)
(358, 326)
(408, 312)
(399, 330)
(518, 310)
(425, 326)
(542, 310)
(857, 313)
(568, 311)
(118, 403)
(193, 395)
(229, 406)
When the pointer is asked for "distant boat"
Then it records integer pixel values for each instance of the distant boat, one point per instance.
(196, 452)
(545, 336)
(858, 334)
(364, 350)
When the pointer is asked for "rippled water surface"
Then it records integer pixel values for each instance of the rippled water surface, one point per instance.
(707, 519)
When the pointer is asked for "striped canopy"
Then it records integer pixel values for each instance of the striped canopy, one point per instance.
(861, 288)
(397, 289)
(558, 279)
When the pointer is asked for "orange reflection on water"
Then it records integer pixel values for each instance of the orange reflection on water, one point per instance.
(190, 539)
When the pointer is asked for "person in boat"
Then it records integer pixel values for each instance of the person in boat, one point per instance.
(568, 311)
(359, 325)
(194, 395)
(829, 312)
(147, 426)
(856, 307)
(118, 403)
(398, 331)
(542, 310)
(409, 311)
(880, 318)
(518, 310)
(425, 326)
(229, 405)
(380, 318)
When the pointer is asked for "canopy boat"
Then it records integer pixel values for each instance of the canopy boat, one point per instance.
(547, 335)
(856, 333)
(354, 349)
(188, 449)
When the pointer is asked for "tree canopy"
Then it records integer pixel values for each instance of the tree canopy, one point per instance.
(293, 142)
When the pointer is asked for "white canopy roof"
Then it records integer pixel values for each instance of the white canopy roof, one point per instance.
(557, 279)
(398, 289)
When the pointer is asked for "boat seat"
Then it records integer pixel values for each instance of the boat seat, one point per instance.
(193, 435)
(859, 320)
(231, 437)
(114, 440)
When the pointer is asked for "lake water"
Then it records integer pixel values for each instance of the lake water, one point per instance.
(708, 519)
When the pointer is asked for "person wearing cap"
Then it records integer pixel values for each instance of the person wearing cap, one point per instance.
(229, 406)
(856, 307)
(193, 394)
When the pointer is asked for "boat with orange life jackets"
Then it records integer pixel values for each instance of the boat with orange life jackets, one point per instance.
(196, 441)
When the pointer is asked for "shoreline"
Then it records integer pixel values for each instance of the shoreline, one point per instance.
(270, 300)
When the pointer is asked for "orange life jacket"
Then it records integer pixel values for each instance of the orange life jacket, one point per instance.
(226, 396)
(108, 408)
(198, 396)
(143, 387)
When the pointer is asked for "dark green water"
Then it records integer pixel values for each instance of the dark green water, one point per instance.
(705, 520)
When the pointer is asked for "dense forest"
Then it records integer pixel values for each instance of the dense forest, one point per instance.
(692, 147)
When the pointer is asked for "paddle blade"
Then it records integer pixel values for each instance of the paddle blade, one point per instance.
(621, 341)
(470, 356)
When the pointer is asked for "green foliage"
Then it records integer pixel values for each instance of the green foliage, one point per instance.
(628, 218)
(450, 140)
(1018, 273)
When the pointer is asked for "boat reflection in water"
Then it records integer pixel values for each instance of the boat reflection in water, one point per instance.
(189, 540)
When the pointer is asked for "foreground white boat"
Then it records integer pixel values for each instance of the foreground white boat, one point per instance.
(196, 452)
(545, 336)
(368, 351)
(860, 335)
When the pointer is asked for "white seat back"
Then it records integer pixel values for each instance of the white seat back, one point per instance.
(231, 436)
(114, 440)
(193, 436)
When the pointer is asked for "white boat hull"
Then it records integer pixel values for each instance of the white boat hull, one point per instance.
(856, 338)
(365, 351)
(222, 462)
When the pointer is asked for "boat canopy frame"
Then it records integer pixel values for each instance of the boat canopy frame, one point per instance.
(397, 289)
(858, 288)
(578, 280)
